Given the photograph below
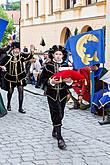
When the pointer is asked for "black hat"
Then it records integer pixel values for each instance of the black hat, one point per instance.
(57, 48)
(15, 45)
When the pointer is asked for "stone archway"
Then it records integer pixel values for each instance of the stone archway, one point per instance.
(64, 35)
(86, 29)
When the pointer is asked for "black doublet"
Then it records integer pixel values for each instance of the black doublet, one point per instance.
(15, 73)
(56, 92)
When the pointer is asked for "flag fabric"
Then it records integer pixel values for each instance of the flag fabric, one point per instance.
(3, 25)
(106, 77)
(87, 48)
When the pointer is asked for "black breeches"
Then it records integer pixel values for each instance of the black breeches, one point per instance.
(56, 110)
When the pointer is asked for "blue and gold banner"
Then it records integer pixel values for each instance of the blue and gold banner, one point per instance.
(87, 49)
(3, 25)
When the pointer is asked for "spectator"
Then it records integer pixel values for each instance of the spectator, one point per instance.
(25, 49)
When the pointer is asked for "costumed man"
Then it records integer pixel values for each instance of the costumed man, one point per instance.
(55, 90)
(105, 103)
(105, 99)
(99, 88)
(80, 91)
(3, 53)
(15, 74)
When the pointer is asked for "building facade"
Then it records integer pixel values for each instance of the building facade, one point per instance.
(108, 34)
(56, 20)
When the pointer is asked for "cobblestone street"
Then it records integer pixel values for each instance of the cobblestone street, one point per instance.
(25, 139)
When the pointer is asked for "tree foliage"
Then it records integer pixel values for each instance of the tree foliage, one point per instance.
(10, 28)
(15, 6)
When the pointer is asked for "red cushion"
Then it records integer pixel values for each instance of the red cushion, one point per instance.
(75, 75)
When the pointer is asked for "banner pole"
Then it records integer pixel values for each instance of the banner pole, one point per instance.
(91, 88)
(103, 107)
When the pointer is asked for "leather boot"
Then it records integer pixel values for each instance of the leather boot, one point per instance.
(9, 108)
(54, 133)
(61, 142)
(21, 111)
(106, 121)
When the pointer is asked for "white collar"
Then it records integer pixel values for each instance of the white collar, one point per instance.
(59, 62)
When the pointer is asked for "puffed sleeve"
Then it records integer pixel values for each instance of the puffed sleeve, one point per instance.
(44, 79)
(5, 60)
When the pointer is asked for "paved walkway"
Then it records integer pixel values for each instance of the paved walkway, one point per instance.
(25, 139)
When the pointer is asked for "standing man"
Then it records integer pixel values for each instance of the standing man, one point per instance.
(99, 88)
(55, 90)
(15, 74)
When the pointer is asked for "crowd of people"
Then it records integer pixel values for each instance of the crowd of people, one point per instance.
(17, 69)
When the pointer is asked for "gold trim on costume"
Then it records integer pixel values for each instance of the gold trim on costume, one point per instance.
(8, 61)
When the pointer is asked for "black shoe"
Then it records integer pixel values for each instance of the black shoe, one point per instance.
(8, 108)
(71, 108)
(76, 106)
(61, 144)
(54, 134)
(21, 111)
(106, 121)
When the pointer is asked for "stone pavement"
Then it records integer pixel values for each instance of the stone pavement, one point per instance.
(25, 139)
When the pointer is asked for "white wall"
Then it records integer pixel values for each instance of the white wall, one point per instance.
(108, 34)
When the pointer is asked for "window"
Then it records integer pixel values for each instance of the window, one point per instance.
(27, 11)
(67, 34)
(36, 9)
(69, 3)
(73, 2)
(88, 2)
(50, 7)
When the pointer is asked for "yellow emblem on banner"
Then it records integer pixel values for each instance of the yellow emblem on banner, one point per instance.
(81, 50)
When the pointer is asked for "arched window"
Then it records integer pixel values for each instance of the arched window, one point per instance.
(67, 34)
(64, 35)
(86, 28)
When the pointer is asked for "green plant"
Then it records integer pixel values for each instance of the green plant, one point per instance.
(10, 28)
(15, 5)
